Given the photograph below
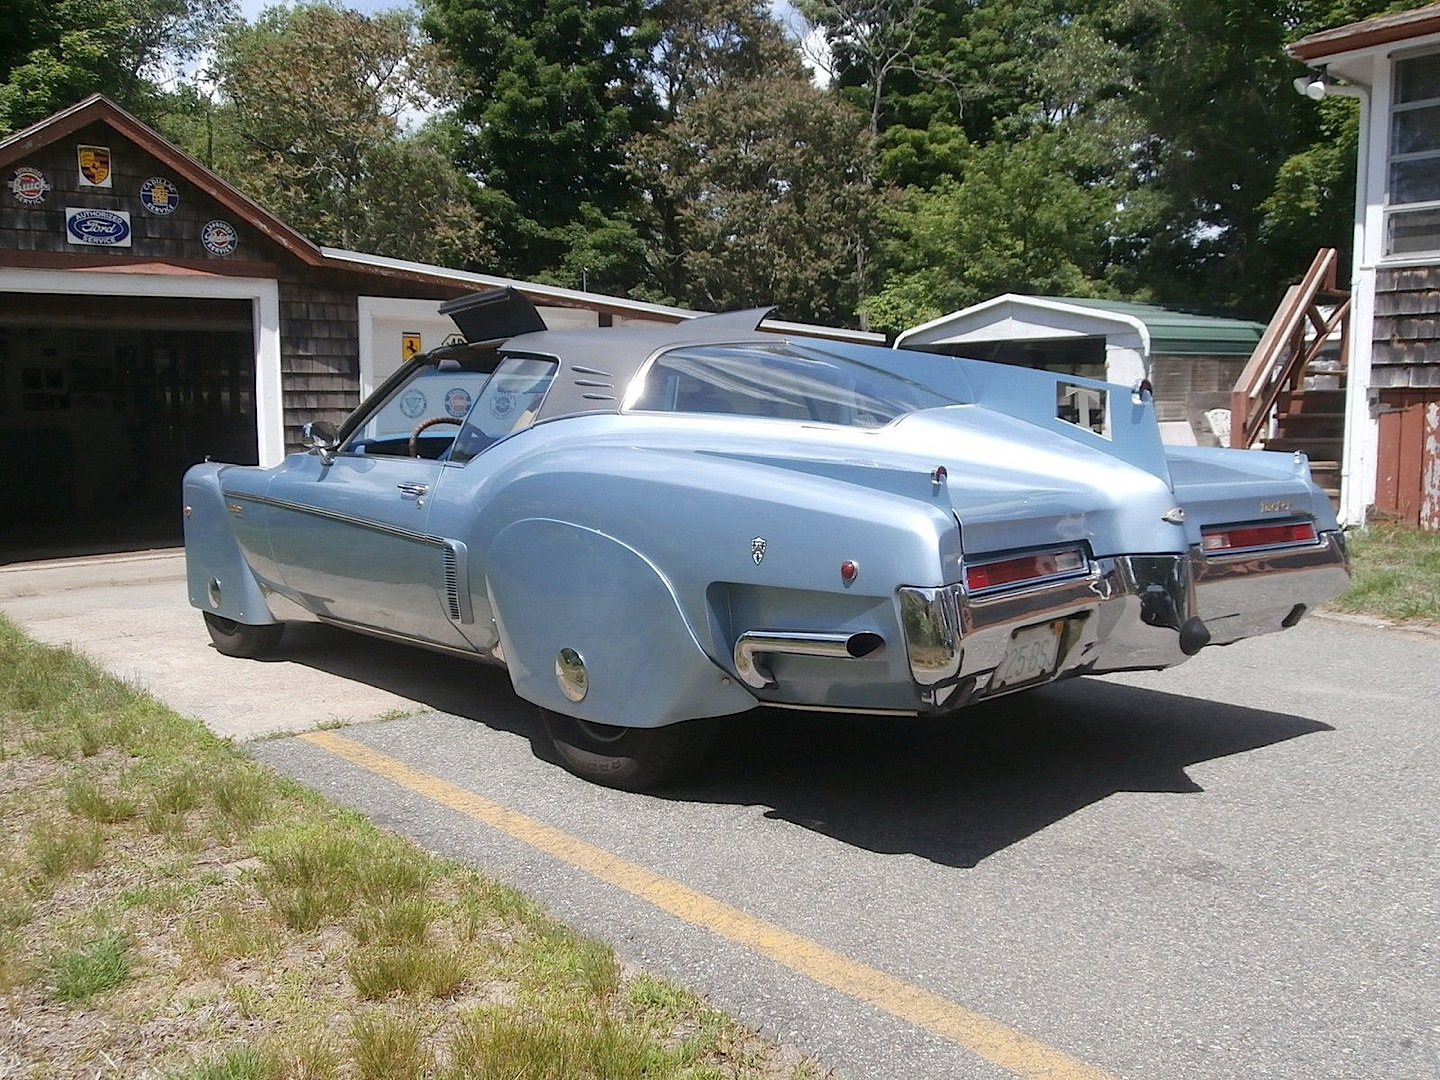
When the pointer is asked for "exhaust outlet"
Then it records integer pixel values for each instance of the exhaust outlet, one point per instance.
(753, 645)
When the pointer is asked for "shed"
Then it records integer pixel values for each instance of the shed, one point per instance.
(1191, 360)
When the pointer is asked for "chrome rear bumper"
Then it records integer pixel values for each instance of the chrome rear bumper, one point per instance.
(1130, 612)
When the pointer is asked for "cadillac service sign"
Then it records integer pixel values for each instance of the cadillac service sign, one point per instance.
(105, 228)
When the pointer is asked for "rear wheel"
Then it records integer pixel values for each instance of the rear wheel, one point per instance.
(633, 759)
(243, 639)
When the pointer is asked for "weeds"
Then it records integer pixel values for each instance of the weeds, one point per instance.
(85, 798)
(492, 1044)
(82, 974)
(379, 971)
(386, 1046)
(244, 1063)
(1396, 574)
(269, 921)
(58, 848)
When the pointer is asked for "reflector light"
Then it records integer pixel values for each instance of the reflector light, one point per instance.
(1024, 568)
(1256, 536)
(849, 570)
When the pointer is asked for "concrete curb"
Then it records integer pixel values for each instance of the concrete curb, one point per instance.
(1370, 622)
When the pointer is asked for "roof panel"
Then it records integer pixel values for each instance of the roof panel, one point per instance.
(1180, 333)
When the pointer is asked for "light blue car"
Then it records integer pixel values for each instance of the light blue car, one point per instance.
(649, 526)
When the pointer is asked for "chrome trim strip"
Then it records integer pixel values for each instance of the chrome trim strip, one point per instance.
(391, 635)
(753, 644)
(843, 710)
(343, 519)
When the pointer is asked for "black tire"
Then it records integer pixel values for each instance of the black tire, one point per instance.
(632, 759)
(243, 639)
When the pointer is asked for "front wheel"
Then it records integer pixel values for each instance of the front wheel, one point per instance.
(632, 759)
(242, 639)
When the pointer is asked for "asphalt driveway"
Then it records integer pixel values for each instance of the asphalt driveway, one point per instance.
(1224, 870)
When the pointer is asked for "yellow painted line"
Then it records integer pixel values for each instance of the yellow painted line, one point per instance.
(995, 1042)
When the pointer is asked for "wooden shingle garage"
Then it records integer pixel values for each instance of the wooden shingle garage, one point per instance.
(151, 315)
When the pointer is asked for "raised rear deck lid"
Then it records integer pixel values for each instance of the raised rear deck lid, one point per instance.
(493, 315)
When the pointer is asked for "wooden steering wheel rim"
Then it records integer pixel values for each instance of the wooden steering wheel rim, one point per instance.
(425, 425)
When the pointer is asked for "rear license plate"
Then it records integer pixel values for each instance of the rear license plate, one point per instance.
(1033, 654)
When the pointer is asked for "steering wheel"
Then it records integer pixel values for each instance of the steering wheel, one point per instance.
(424, 425)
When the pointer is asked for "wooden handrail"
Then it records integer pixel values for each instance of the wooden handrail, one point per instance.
(1278, 363)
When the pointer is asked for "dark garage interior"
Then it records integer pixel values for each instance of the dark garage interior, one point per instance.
(104, 403)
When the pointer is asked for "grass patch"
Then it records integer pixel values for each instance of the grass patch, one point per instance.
(61, 847)
(276, 934)
(493, 1044)
(80, 975)
(380, 971)
(86, 798)
(245, 1063)
(1396, 574)
(386, 1046)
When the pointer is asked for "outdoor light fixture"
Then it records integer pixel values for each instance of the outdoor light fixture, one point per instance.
(1316, 86)
(1322, 84)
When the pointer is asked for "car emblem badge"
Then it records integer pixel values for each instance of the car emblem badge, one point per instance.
(757, 550)
(1274, 507)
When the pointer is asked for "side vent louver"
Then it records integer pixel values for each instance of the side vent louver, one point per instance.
(453, 590)
(598, 380)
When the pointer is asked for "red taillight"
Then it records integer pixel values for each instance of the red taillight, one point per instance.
(1256, 536)
(1047, 564)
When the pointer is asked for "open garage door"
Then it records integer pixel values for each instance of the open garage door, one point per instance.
(105, 401)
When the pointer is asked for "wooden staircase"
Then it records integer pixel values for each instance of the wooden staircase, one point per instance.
(1291, 395)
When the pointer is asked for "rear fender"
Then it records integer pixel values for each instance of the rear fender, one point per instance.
(556, 586)
(217, 576)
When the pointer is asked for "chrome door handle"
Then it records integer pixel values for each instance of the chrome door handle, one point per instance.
(414, 489)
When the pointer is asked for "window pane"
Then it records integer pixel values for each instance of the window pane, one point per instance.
(1415, 230)
(1417, 78)
(1414, 130)
(781, 382)
(431, 392)
(1415, 181)
(508, 402)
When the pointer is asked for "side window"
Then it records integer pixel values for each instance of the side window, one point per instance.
(1413, 211)
(441, 394)
(507, 403)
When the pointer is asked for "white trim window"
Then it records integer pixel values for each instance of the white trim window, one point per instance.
(1412, 218)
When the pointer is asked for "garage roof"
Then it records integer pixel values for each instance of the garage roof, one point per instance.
(1018, 317)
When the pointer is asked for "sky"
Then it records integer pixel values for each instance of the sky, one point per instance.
(782, 9)
(251, 8)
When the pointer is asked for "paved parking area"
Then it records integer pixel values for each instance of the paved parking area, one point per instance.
(1224, 870)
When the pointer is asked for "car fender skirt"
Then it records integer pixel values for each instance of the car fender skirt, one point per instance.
(218, 577)
(590, 628)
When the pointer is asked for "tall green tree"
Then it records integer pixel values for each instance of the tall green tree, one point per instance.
(766, 182)
(314, 100)
(1178, 114)
(55, 52)
(551, 92)
(1017, 221)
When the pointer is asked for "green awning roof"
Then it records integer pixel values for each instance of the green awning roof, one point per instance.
(1180, 333)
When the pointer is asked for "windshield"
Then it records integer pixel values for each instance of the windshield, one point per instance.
(783, 381)
(508, 402)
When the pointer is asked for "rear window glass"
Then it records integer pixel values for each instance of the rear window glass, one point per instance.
(783, 381)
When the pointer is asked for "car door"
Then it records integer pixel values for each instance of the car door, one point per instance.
(349, 530)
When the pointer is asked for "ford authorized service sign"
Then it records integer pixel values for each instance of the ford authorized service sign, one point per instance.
(106, 228)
